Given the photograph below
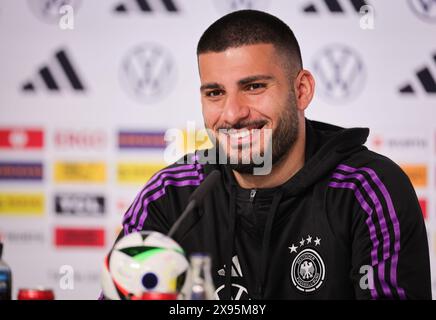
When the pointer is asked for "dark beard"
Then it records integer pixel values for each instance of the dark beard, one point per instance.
(283, 140)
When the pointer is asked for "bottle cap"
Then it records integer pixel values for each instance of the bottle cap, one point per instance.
(35, 294)
(157, 296)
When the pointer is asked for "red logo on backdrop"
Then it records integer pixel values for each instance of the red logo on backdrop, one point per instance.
(84, 139)
(21, 138)
(377, 142)
(79, 237)
(423, 204)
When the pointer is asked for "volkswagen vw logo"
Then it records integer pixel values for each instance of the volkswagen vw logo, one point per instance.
(424, 9)
(339, 72)
(148, 72)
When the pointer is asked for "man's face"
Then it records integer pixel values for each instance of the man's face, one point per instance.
(248, 100)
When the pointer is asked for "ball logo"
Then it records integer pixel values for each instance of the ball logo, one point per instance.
(142, 262)
(424, 9)
(148, 72)
(226, 6)
(307, 271)
(339, 71)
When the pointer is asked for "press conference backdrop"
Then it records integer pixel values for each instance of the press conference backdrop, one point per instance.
(88, 89)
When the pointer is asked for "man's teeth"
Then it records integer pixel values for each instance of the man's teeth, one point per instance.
(240, 133)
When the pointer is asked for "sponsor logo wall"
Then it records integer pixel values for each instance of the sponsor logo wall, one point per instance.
(86, 99)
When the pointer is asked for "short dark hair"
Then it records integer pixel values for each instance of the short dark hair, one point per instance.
(247, 27)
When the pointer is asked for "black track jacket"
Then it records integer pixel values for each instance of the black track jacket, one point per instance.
(348, 225)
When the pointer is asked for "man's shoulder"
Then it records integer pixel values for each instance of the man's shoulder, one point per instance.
(374, 164)
(368, 172)
(187, 171)
(187, 168)
(169, 187)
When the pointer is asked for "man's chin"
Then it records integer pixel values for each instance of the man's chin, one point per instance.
(244, 168)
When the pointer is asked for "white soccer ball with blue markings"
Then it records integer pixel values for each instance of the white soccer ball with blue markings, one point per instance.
(140, 262)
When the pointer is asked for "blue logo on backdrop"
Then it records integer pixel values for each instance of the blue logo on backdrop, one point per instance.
(148, 72)
(339, 72)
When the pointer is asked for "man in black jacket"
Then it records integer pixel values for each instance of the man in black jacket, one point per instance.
(329, 220)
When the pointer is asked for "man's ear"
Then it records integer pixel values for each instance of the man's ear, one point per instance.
(304, 86)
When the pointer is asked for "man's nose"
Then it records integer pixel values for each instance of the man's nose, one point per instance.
(235, 109)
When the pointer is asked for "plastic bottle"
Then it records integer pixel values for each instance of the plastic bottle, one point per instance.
(200, 284)
(5, 278)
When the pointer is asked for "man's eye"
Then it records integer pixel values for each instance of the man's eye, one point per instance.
(214, 93)
(255, 86)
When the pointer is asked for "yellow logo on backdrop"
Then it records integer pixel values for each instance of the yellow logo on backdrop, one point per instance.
(137, 173)
(195, 140)
(94, 172)
(417, 174)
(22, 204)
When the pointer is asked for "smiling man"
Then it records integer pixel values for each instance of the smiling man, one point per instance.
(330, 220)
(248, 92)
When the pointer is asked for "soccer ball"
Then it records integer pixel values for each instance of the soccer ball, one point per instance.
(145, 261)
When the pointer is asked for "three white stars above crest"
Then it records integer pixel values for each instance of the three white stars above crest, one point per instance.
(303, 241)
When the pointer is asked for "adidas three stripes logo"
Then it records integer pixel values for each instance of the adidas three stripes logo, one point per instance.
(54, 74)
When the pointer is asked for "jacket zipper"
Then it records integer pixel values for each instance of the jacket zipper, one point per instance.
(258, 287)
(252, 194)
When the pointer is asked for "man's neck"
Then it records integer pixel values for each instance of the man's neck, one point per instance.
(282, 171)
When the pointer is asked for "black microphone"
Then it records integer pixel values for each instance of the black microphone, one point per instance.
(196, 198)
